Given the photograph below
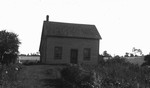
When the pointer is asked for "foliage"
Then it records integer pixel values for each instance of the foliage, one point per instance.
(128, 75)
(9, 58)
(112, 73)
(147, 60)
(137, 51)
(105, 54)
(101, 61)
(9, 44)
(118, 73)
(131, 55)
(126, 54)
(76, 77)
(9, 75)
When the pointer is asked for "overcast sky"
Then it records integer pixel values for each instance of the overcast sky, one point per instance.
(123, 24)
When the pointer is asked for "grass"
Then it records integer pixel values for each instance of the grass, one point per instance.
(32, 76)
(9, 75)
(36, 76)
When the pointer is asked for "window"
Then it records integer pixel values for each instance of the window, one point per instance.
(58, 53)
(86, 53)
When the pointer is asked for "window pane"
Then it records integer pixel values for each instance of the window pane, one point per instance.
(58, 53)
(87, 53)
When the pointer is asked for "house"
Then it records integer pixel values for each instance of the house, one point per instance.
(63, 43)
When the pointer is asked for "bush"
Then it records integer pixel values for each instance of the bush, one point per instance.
(147, 60)
(113, 73)
(101, 61)
(76, 77)
(118, 73)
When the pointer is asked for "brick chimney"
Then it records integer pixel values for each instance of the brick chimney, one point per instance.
(47, 18)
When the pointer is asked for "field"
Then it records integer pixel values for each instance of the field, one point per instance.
(136, 60)
(29, 58)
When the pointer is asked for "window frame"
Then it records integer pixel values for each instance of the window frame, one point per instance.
(58, 52)
(87, 54)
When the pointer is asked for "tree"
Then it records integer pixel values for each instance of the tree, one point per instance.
(105, 54)
(9, 44)
(137, 51)
(147, 60)
(131, 55)
(126, 54)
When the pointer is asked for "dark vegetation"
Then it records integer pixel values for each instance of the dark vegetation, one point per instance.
(29, 62)
(9, 44)
(112, 73)
(118, 73)
(147, 60)
(9, 74)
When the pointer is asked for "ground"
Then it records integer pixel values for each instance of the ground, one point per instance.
(36, 76)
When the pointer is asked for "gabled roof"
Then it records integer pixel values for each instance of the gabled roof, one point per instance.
(72, 30)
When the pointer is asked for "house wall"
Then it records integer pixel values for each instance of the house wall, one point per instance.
(43, 51)
(71, 43)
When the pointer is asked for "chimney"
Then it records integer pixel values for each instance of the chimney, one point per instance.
(47, 18)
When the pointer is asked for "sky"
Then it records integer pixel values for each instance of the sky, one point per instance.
(122, 24)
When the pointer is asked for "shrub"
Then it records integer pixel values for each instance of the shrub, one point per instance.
(101, 60)
(118, 73)
(147, 60)
(76, 77)
(113, 73)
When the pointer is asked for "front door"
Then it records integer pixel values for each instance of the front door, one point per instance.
(74, 56)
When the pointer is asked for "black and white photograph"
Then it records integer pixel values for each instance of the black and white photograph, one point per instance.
(74, 44)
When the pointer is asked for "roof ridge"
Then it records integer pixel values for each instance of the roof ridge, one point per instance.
(70, 23)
